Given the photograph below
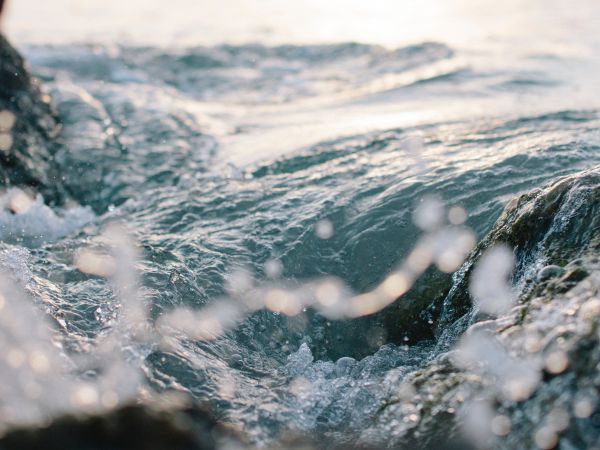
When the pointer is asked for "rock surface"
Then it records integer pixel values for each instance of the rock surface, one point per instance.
(129, 427)
(528, 378)
(28, 129)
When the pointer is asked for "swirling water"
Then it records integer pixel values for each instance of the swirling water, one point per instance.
(225, 161)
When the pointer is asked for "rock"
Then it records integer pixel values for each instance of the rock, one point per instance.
(29, 129)
(559, 336)
(553, 225)
(549, 226)
(528, 378)
(148, 426)
(548, 272)
(130, 427)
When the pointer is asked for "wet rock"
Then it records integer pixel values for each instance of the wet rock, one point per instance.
(574, 275)
(344, 366)
(28, 129)
(409, 320)
(558, 336)
(129, 427)
(549, 226)
(529, 377)
(548, 272)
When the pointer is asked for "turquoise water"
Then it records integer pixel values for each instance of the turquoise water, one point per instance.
(235, 166)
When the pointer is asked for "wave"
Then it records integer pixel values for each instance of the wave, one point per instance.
(145, 134)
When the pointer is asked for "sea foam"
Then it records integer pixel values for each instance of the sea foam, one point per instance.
(29, 221)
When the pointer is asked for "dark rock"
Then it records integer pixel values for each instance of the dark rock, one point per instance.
(563, 404)
(552, 333)
(552, 225)
(28, 129)
(130, 427)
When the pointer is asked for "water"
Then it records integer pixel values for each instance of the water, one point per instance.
(247, 164)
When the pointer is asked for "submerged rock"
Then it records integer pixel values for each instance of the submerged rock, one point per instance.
(28, 129)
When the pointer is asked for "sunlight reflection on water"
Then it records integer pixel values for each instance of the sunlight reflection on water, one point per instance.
(388, 22)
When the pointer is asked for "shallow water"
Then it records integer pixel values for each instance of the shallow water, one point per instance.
(225, 160)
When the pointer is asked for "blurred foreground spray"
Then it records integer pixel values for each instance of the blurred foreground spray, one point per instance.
(49, 381)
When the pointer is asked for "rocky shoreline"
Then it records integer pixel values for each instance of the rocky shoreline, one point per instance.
(531, 377)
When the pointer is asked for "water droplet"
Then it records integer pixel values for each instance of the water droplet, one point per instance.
(6, 142)
(501, 425)
(109, 399)
(457, 215)
(583, 408)
(556, 362)
(429, 215)
(273, 268)
(94, 263)
(15, 358)
(19, 202)
(7, 120)
(545, 438)
(84, 395)
(324, 229)
(39, 362)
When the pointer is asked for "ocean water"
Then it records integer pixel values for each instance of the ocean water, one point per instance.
(234, 194)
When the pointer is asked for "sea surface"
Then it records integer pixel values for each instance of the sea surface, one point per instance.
(225, 154)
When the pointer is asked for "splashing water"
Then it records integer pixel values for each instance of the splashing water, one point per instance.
(294, 217)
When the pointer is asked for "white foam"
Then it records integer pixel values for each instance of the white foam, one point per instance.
(31, 222)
